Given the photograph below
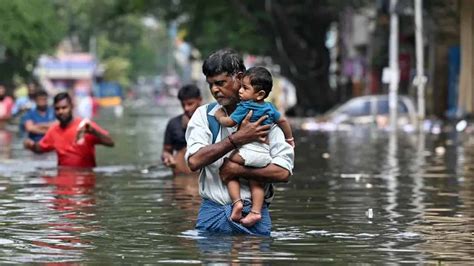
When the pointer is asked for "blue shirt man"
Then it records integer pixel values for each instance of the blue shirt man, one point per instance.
(37, 120)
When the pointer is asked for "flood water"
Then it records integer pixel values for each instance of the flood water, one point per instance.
(361, 196)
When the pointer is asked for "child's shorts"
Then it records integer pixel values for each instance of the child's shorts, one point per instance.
(256, 154)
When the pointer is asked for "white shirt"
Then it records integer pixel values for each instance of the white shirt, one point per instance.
(198, 135)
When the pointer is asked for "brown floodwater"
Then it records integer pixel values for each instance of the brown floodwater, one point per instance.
(358, 196)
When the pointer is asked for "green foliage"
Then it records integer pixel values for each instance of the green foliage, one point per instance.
(119, 32)
(116, 69)
(27, 29)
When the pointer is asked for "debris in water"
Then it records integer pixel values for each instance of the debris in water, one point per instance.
(369, 213)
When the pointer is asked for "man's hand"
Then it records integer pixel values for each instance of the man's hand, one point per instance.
(250, 132)
(168, 160)
(229, 170)
(29, 144)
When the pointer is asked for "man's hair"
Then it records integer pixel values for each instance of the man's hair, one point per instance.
(223, 61)
(189, 91)
(61, 96)
(41, 93)
(260, 79)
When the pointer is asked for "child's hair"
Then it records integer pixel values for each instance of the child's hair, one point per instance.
(260, 79)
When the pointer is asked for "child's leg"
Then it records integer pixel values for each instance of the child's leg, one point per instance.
(258, 196)
(237, 206)
(233, 186)
(236, 158)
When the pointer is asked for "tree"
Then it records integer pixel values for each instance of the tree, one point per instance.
(293, 33)
(26, 33)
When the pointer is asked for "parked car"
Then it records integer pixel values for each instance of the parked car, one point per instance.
(365, 110)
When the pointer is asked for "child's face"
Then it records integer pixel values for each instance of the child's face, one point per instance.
(247, 92)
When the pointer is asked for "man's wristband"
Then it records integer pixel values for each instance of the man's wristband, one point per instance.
(232, 142)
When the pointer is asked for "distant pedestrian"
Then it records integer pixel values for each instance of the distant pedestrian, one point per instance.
(174, 145)
(6, 106)
(73, 139)
(36, 121)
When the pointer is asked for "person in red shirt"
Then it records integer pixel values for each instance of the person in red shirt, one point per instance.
(6, 106)
(73, 139)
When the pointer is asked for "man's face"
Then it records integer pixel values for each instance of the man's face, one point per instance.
(224, 88)
(190, 105)
(63, 111)
(41, 103)
(31, 90)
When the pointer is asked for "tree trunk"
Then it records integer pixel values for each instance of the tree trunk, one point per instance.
(304, 58)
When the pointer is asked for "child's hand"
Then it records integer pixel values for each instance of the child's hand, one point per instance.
(291, 141)
(219, 113)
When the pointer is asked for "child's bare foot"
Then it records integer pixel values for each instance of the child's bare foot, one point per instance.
(237, 208)
(252, 218)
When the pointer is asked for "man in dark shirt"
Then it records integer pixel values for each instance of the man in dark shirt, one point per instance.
(174, 146)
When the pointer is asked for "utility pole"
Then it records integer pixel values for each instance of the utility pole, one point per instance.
(420, 79)
(393, 65)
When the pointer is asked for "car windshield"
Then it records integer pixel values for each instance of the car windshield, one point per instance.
(382, 107)
(356, 108)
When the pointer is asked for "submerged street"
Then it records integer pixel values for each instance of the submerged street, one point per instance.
(361, 195)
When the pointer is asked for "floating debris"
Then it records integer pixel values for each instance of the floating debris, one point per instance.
(369, 213)
(440, 150)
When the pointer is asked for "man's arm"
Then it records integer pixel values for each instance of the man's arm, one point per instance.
(32, 146)
(279, 170)
(104, 139)
(271, 173)
(38, 128)
(92, 128)
(247, 133)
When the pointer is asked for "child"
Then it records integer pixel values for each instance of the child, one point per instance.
(256, 85)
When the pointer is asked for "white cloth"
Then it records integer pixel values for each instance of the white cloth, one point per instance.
(198, 135)
(255, 154)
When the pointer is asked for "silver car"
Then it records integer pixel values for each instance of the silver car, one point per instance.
(366, 110)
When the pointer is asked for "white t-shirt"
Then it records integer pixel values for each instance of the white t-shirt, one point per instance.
(198, 135)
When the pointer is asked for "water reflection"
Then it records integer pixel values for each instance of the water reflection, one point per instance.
(48, 217)
(73, 199)
(5, 144)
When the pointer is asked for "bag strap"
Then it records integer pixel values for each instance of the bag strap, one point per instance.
(214, 125)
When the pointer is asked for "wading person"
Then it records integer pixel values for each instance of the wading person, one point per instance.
(174, 144)
(208, 149)
(6, 106)
(73, 139)
(39, 119)
(257, 84)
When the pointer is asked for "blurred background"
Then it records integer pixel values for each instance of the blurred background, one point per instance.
(362, 191)
(322, 53)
